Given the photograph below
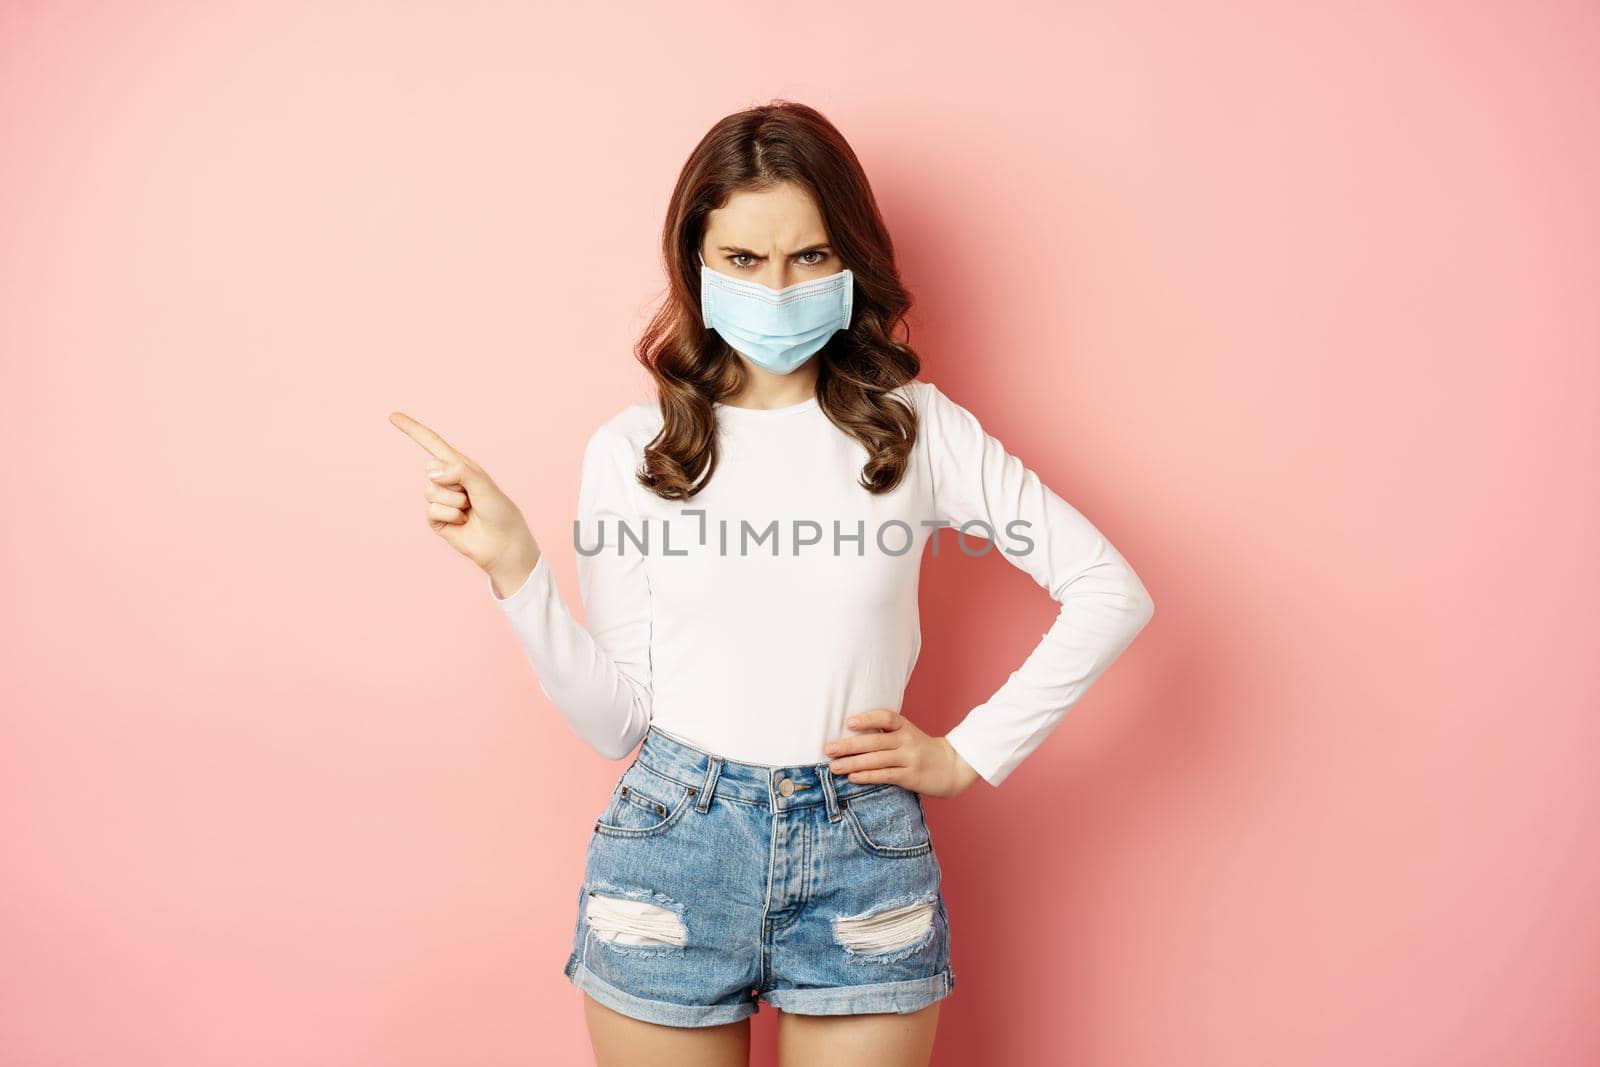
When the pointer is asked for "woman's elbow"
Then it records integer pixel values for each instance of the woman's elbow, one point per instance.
(1147, 610)
(616, 744)
(1141, 605)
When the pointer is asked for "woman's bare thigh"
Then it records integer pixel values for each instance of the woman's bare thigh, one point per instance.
(623, 1041)
(884, 1039)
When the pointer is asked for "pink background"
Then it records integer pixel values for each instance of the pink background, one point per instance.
(1297, 302)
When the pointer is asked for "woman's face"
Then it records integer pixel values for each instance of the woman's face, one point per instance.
(774, 236)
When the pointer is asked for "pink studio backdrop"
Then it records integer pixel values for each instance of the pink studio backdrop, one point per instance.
(1296, 302)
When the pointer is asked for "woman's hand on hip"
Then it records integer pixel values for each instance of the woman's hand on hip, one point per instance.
(470, 512)
(901, 753)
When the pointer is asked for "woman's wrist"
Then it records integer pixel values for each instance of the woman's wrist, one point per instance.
(965, 774)
(510, 571)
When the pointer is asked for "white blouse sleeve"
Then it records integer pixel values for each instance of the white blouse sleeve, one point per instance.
(1103, 603)
(597, 676)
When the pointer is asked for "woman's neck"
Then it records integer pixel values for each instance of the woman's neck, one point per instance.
(763, 389)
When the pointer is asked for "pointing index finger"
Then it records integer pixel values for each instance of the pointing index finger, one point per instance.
(436, 445)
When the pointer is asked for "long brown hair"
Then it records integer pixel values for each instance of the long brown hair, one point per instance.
(693, 367)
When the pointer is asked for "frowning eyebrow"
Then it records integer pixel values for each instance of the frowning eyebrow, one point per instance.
(736, 250)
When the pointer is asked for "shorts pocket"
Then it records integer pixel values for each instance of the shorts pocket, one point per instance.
(644, 804)
(888, 822)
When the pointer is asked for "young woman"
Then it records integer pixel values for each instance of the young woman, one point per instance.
(748, 554)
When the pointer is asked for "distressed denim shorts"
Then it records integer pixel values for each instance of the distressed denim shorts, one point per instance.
(711, 884)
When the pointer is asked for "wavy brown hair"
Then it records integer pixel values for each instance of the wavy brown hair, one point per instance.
(694, 367)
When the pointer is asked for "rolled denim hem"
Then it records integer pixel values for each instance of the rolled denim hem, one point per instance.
(901, 997)
(654, 1011)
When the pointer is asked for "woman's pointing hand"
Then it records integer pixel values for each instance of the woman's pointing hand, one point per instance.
(468, 510)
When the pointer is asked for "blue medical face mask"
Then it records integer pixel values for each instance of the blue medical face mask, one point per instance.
(776, 329)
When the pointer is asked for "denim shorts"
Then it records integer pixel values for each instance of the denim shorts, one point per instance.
(710, 885)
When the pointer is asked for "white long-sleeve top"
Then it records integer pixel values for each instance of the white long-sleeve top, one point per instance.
(753, 618)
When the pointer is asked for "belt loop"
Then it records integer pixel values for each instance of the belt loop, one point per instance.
(713, 772)
(829, 798)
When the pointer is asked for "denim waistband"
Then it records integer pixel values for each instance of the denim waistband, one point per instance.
(755, 783)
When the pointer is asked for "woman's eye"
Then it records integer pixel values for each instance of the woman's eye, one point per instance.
(738, 258)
